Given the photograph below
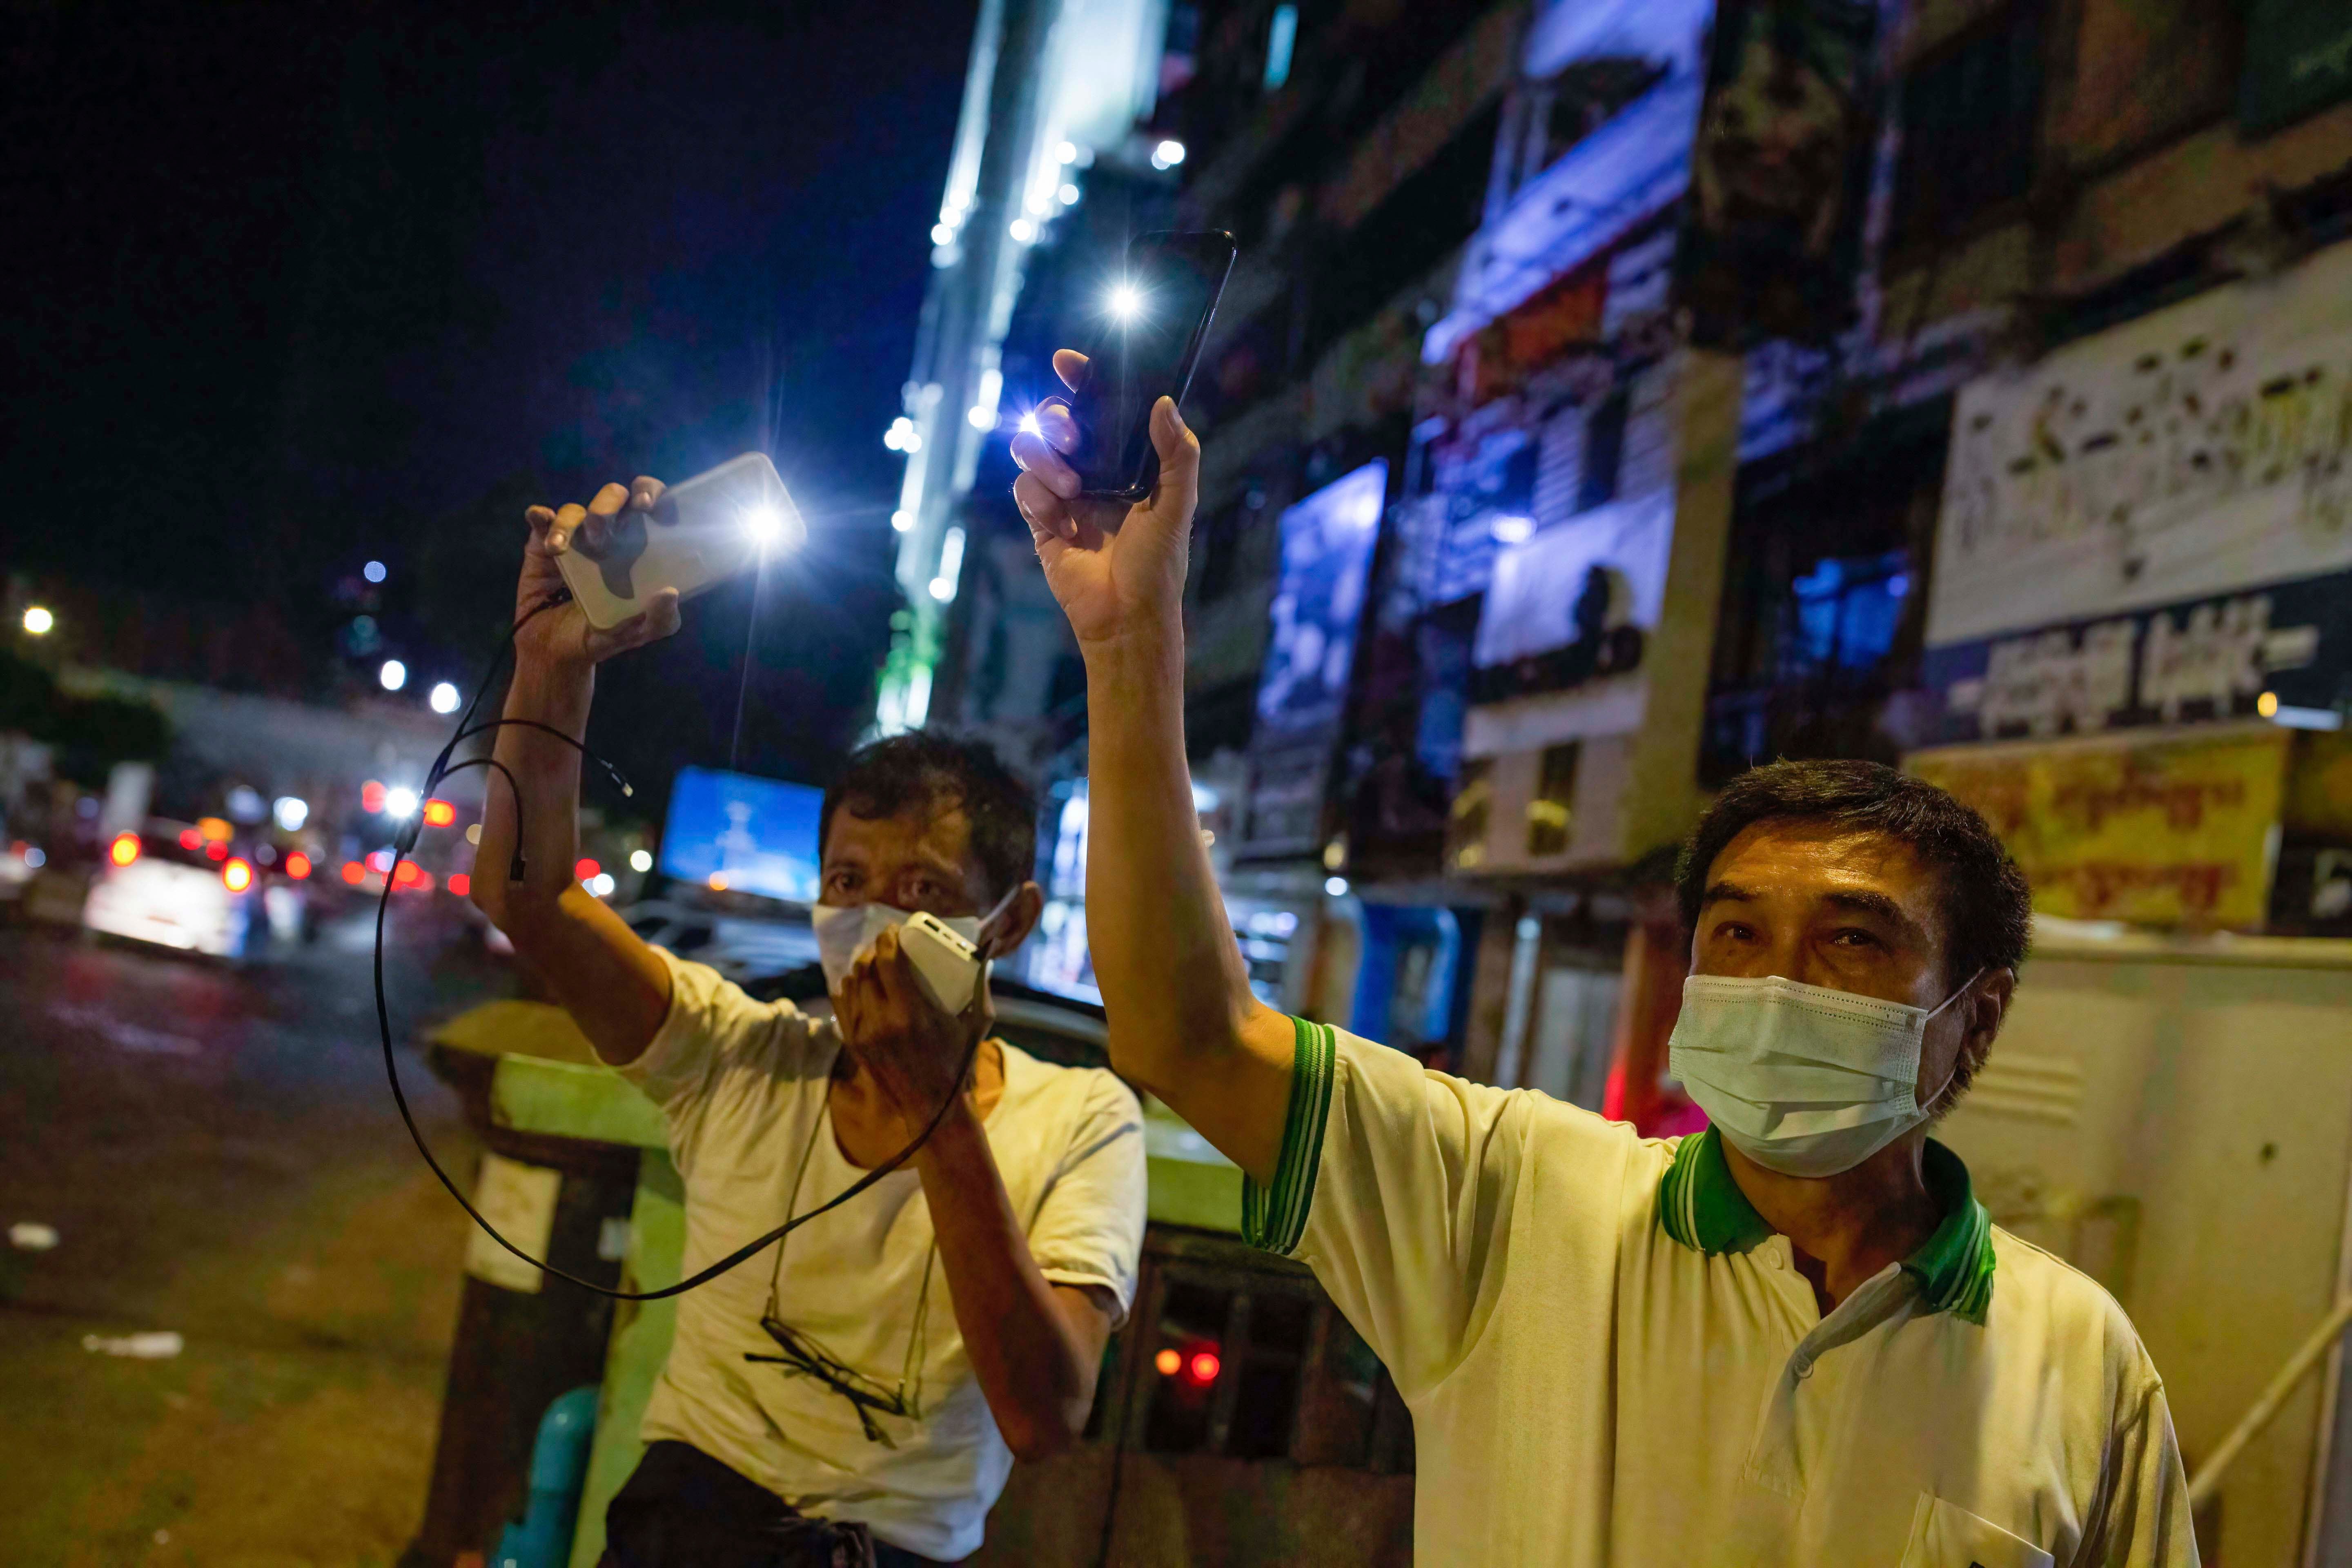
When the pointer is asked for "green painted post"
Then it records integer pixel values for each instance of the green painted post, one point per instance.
(641, 1336)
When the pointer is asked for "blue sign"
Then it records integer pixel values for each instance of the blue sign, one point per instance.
(742, 833)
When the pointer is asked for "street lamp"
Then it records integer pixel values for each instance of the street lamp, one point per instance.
(393, 675)
(444, 698)
(37, 620)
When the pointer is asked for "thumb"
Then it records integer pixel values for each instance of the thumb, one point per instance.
(1178, 489)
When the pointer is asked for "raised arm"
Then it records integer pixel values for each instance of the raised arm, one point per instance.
(615, 986)
(1183, 1021)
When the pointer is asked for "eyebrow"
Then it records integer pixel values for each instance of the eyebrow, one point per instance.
(1725, 892)
(1859, 902)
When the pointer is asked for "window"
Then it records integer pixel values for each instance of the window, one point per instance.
(1970, 118)
(1551, 815)
(1605, 452)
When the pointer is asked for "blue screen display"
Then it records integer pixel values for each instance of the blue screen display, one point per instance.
(754, 834)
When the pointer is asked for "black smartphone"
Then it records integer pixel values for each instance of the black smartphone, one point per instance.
(1146, 330)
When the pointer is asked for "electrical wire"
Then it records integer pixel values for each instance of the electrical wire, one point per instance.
(405, 840)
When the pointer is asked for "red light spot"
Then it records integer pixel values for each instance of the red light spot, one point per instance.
(423, 881)
(354, 873)
(124, 850)
(297, 865)
(405, 874)
(586, 869)
(371, 797)
(1204, 1366)
(439, 814)
(191, 839)
(236, 876)
(1168, 1361)
(217, 850)
(460, 883)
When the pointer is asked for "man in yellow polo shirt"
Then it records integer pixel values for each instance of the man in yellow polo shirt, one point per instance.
(1795, 1338)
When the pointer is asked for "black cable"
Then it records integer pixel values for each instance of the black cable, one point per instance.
(405, 840)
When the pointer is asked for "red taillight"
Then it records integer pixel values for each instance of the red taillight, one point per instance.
(236, 876)
(1204, 1366)
(354, 873)
(460, 884)
(405, 874)
(191, 839)
(1169, 1362)
(217, 850)
(439, 814)
(371, 797)
(124, 850)
(297, 865)
(586, 869)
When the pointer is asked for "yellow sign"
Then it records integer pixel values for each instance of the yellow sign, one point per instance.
(2176, 831)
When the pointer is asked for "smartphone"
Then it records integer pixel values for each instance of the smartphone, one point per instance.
(700, 533)
(1145, 337)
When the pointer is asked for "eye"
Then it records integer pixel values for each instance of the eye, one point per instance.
(841, 879)
(1735, 930)
(1853, 936)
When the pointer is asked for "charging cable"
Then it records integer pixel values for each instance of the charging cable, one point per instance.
(405, 840)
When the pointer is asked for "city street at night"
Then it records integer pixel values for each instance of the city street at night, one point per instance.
(217, 1155)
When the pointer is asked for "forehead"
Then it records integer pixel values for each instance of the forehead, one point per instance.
(935, 830)
(1807, 862)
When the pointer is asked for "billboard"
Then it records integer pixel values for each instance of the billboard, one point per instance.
(1302, 695)
(1780, 172)
(742, 833)
(2171, 831)
(2154, 519)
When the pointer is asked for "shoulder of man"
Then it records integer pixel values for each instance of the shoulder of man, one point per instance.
(2075, 1321)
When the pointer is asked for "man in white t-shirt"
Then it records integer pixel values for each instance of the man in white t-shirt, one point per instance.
(858, 1392)
(1795, 1338)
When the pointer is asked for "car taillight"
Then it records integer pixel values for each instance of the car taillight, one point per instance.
(297, 865)
(439, 814)
(124, 850)
(191, 839)
(405, 874)
(460, 883)
(217, 850)
(584, 868)
(236, 876)
(354, 873)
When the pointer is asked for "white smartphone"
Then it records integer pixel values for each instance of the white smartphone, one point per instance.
(702, 531)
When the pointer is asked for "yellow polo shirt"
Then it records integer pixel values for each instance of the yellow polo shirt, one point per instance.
(1610, 1358)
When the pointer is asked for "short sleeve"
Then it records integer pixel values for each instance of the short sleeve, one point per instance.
(713, 1033)
(1089, 1225)
(2146, 1522)
(1401, 1186)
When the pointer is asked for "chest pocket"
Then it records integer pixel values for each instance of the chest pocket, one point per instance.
(1945, 1536)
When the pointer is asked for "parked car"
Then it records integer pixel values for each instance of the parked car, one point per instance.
(170, 886)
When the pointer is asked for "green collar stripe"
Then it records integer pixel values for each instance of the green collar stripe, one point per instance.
(1275, 1219)
(1701, 1207)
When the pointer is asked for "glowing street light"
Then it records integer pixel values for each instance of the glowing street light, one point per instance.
(640, 861)
(39, 621)
(443, 699)
(393, 675)
(372, 571)
(400, 803)
(1168, 154)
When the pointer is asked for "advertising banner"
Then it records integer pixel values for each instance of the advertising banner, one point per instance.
(1780, 172)
(2177, 831)
(1327, 557)
(2195, 453)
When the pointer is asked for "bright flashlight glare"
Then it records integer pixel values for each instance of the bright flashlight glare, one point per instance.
(444, 698)
(393, 675)
(1029, 424)
(1126, 301)
(766, 523)
(400, 803)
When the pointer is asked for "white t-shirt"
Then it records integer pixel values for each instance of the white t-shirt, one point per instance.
(1612, 1360)
(742, 1087)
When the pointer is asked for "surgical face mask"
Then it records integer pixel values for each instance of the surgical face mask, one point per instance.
(845, 930)
(1801, 1079)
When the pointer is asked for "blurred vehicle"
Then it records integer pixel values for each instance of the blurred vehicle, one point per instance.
(742, 948)
(19, 862)
(289, 897)
(171, 886)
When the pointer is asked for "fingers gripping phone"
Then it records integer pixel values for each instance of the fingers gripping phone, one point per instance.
(1152, 319)
(701, 531)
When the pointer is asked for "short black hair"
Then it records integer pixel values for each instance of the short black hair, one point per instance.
(922, 768)
(1988, 907)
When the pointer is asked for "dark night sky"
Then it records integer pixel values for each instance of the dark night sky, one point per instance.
(292, 286)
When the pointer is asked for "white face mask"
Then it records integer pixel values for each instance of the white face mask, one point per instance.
(1801, 1079)
(845, 930)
